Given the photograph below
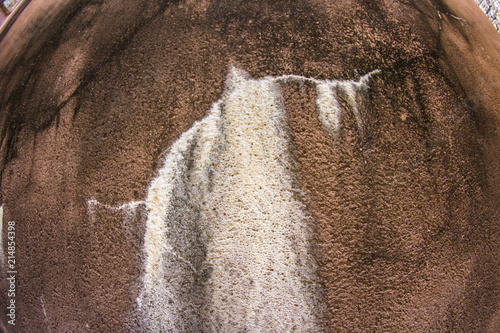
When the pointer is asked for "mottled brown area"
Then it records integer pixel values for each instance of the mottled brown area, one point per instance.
(115, 255)
(127, 100)
(92, 94)
(401, 203)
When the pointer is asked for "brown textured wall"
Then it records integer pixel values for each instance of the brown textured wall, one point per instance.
(406, 214)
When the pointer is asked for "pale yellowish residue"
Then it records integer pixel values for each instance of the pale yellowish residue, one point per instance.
(227, 241)
(330, 113)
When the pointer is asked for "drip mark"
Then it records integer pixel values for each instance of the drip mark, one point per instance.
(224, 206)
(43, 308)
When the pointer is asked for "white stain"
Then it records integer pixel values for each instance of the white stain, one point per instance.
(327, 100)
(128, 209)
(130, 206)
(171, 298)
(43, 308)
(263, 276)
(330, 113)
(227, 240)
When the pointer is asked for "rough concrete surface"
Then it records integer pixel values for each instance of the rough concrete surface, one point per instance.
(378, 205)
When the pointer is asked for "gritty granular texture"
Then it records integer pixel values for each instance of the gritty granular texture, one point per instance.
(225, 207)
(388, 192)
(492, 9)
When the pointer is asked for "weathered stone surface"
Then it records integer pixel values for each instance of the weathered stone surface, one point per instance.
(385, 196)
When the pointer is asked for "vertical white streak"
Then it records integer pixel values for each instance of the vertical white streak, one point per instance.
(43, 308)
(330, 113)
(350, 90)
(227, 241)
(263, 278)
(172, 240)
